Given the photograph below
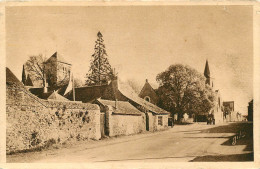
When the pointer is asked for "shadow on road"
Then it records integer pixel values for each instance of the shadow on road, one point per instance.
(243, 133)
(222, 158)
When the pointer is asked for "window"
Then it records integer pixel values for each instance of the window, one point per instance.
(147, 98)
(160, 121)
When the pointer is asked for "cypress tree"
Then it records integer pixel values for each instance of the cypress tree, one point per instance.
(23, 76)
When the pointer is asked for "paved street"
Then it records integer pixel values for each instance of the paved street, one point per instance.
(195, 142)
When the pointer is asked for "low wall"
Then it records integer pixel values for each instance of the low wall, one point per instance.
(32, 122)
(119, 124)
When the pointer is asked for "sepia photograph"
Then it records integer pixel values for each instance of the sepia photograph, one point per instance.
(142, 83)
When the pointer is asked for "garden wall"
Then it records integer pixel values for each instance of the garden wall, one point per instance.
(32, 122)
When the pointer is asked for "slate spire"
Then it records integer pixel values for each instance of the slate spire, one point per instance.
(206, 71)
(23, 76)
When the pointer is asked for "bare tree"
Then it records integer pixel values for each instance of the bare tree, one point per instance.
(35, 67)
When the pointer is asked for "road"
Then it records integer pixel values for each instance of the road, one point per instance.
(182, 143)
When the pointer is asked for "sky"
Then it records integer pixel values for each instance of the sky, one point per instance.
(141, 41)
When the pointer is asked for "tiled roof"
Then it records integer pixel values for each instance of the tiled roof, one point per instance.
(122, 107)
(127, 91)
(11, 79)
(56, 96)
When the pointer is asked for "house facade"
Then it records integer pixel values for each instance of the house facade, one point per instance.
(229, 116)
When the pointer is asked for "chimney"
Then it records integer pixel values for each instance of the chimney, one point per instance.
(116, 104)
(146, 80)
(45, 89)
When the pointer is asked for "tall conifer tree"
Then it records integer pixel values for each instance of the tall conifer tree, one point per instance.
(23, 76)
(100, 71)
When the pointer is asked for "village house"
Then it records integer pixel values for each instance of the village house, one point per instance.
(230, 105)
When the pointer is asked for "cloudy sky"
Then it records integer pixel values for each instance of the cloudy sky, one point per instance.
(141, 41)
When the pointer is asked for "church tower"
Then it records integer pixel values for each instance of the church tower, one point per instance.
(209, 80)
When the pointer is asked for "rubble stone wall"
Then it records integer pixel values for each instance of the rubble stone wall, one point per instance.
(32, 122)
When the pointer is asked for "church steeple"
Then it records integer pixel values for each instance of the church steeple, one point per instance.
(207, 73)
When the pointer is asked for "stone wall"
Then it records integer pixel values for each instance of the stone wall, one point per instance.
(119, 124)
(32, 122)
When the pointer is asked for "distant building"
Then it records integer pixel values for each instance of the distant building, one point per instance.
(148, 93)
(230, 106)
(217, 111)
(250, 110)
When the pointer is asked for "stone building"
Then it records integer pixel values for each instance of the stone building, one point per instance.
(58, 70)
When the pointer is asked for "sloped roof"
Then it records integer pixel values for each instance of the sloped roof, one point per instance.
(87, 93)
(11, 79)
(57, 57)
(122, 107)
(39, 93)
(128, 92)
(56, 96)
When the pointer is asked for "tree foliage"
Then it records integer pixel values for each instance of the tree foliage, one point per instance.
(100, 71)
(182, 90)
